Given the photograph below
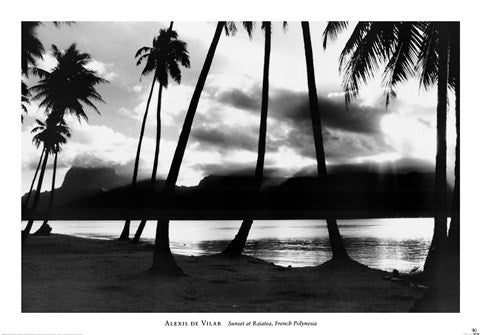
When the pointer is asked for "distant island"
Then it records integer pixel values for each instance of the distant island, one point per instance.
(99, 193)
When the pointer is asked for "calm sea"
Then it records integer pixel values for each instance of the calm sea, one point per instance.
(386, 244)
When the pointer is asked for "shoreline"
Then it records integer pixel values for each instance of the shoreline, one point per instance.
(62, 273)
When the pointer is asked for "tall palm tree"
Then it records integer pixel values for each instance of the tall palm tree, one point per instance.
(164, 59)
(163, 260)
(59, 135)
(51, 135)
(336, 243)
(236, 246)
(408, 49)
(230, 29)
(67, 88)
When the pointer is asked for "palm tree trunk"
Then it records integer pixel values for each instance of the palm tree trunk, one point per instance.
(126, 227)
(44, 227)
(163, 261)
(139, 232)
(34, 178)
(338, 248)
(454, 230)
(438, 244)
(157, 140)
(28, 228)
(124, 236)
(236, 246)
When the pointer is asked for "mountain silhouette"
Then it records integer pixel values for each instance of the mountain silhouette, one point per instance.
(343, 194)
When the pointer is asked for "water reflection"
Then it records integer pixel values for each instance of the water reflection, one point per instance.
(387, 244)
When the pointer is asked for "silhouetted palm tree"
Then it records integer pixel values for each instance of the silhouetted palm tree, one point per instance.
(236, 246)
(164, 59)
(32, 49)
(336, 243)
(230, 29)
(60, 133)
(51, 135)
(70, 86)
(163, 260)
(65, 89)
(408, 49)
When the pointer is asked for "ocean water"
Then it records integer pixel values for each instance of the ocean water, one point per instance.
(385, 244)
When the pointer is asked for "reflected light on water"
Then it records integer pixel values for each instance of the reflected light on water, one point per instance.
(386, 244)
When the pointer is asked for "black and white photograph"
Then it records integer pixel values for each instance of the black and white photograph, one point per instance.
(239, 168)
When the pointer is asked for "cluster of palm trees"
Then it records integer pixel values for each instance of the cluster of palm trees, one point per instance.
(163, 58)
(425, 50)
(66, 89)
(429, 51)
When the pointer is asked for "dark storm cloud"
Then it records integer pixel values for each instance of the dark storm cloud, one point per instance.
(293, 107)
(339, 146)
(225, 137)
(239, 99)
(347, 132)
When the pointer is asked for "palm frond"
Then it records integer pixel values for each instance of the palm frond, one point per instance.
(332, 30)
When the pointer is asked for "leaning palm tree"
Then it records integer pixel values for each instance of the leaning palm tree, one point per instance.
(230, 29)
(58, 135)
(236, 246)
(407, 49)
(164, 59)
(67, 88)
(339, 253)
(51, 135)
(163, 260)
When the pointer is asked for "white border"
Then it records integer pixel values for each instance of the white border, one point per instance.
(13, 321)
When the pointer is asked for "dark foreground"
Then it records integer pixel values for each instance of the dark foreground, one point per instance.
(69, 274)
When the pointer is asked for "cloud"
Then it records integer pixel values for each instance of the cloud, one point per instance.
(103, 69)
(226, 137)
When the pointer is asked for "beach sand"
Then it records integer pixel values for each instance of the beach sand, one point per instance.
(70, 274)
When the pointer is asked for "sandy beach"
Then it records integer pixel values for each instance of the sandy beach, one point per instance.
(69, 274)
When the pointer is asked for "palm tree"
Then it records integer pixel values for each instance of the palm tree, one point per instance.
(66, 89)
(164, 59)
(230, 29)
(163, 260)
(70, 86)
(408, 49)
(51, 135)
(32, 49)
(59, 135)
(236, 246)
(339, 253)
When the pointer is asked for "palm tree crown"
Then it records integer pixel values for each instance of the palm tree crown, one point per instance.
(32, 47)
(51, 134)
(69, 86)
(407, 49)
(164, 57)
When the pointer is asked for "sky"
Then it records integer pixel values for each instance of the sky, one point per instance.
(224, 135)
